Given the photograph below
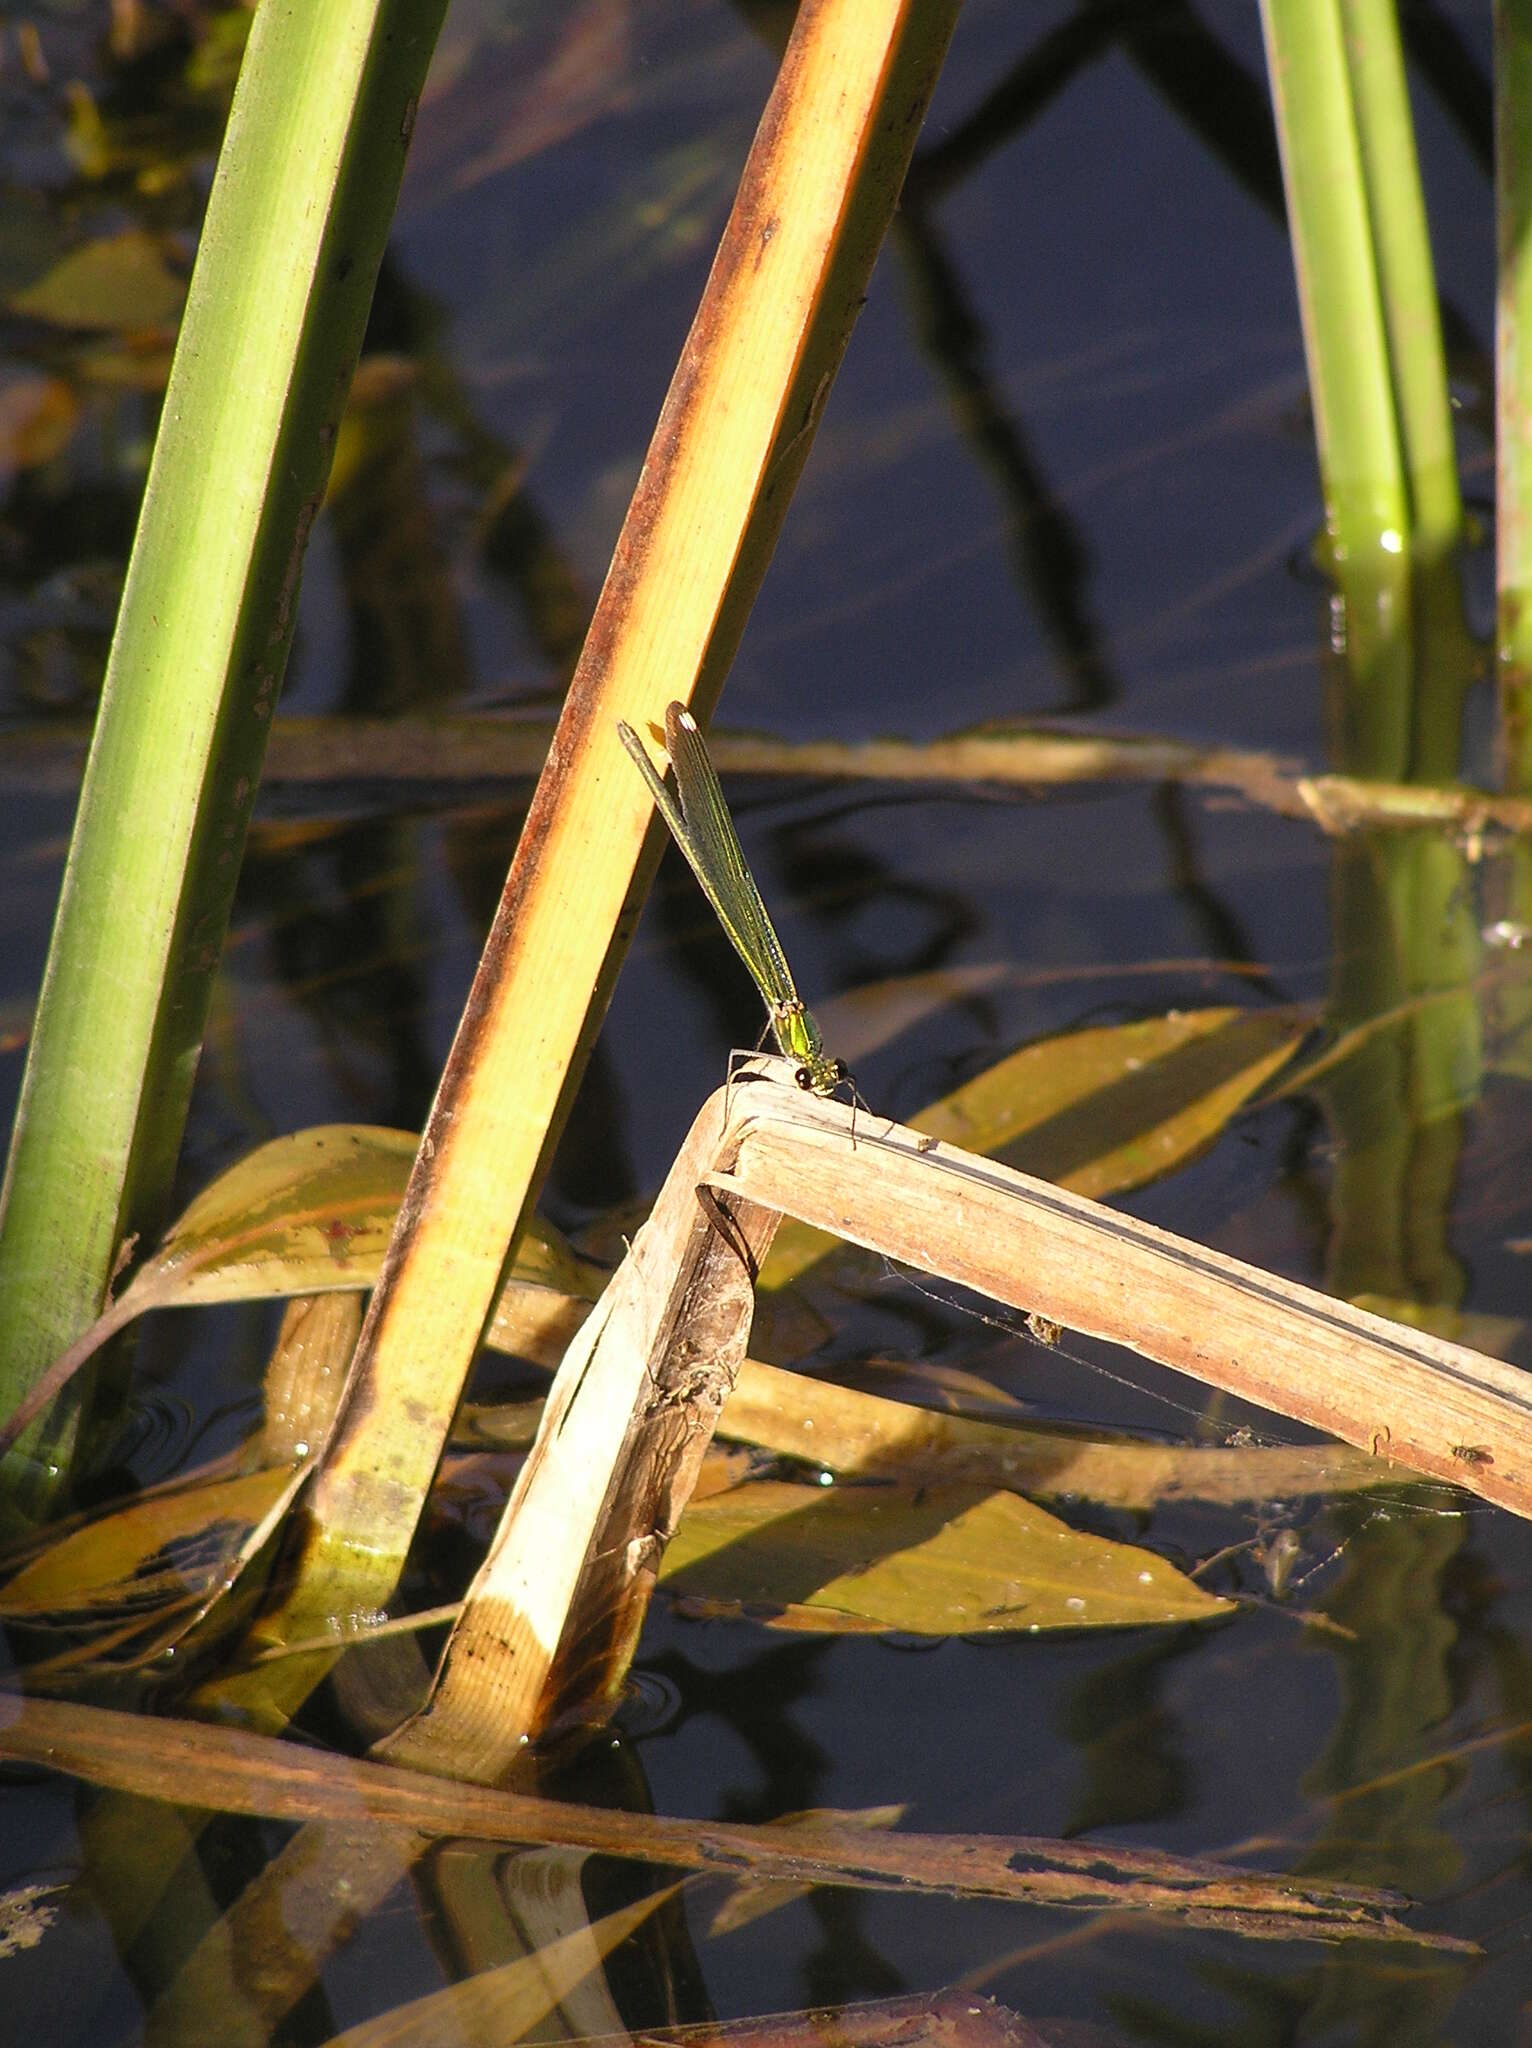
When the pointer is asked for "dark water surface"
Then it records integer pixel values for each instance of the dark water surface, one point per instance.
(1067, 469)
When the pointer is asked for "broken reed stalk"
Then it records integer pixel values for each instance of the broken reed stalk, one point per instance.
(549, 1625)
(458, 755)
(1438, 1408)
(547, 1629)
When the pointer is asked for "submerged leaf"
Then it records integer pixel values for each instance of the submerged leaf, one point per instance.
(170, 1541)
(37, 417)
(957, 1560)
(751, 1899)
(1495, 1335)
(134, 1581)
(505, 2003)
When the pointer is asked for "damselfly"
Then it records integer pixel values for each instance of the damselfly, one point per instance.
(700, 823)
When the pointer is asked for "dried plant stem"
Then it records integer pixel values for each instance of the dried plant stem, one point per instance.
(639, 1393)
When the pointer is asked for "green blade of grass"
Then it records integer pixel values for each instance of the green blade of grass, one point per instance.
(295, 228)
(1406, 277)
(1367, 511)
(1334, 255)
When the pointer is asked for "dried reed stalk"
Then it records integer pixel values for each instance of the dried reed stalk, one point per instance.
(550, 1623)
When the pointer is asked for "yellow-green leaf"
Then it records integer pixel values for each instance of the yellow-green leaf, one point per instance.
(303, 1215)
(1103, 1110)
(956, 1560)
(310, 1214)
(123, 1587)
(119, 282)
(307, 1214)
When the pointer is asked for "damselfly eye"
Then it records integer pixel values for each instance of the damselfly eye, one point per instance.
(804, 1078)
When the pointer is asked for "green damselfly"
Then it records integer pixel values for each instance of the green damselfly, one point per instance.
(701, 826)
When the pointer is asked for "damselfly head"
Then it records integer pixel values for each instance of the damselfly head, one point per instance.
(819, 1076)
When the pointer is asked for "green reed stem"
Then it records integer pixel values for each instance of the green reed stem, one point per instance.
(295, 228)
(1406, 276)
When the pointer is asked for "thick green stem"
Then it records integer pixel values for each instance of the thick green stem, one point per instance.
(296, 224)
(1406, 276)
(1338, 295)
(1356, 427)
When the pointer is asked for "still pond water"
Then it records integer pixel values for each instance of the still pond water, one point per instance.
(1067, 472)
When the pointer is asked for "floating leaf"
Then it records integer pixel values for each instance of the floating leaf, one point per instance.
(1098, 1111)
(302, 1215)
(858, 1434)
(305, 1376)
(931, 1561)
(860, 1020)
(1103, 1110)
(308, 1214)
(119, 282)
(1106, 1109)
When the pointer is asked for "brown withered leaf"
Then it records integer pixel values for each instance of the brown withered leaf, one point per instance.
(231, 1770)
